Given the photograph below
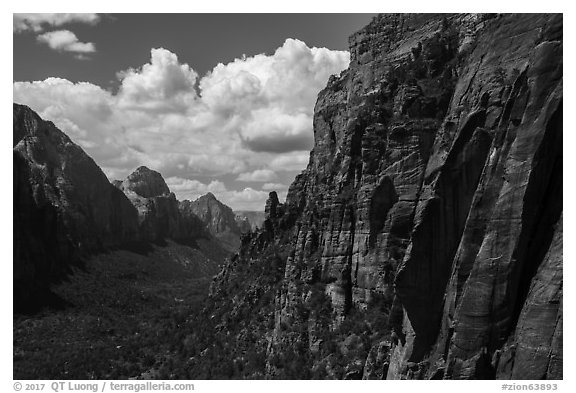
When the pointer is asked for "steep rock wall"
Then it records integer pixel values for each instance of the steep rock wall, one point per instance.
(424, 231)
(219, 219)
(159, 216)
(64, 206)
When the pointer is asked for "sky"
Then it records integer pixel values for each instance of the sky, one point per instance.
(217, 103)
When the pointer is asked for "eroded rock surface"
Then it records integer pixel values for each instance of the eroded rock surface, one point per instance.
(65, 209)
(64, 206)
(249, 220)
(219, 219)
(424, 239)
(158, 211)
(146, 183)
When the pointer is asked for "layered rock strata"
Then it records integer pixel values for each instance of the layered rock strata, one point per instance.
(159, 215)
(429, 219)
(219, 219)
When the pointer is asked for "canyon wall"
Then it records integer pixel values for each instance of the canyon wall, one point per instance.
(65, 209)
(424, 238)
(220, 220)
(64, 206)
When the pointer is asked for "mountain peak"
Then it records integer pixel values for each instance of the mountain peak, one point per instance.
(143, 168)
(29, 123)
(208, 198)
(146, 182)
(219, 218)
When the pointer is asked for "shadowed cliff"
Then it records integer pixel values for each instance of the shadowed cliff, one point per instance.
(424, 239)
(65, 210)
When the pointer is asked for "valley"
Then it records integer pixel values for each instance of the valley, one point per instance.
(423, 240)
(121, 316)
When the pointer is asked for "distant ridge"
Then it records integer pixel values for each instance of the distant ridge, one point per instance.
(66, 209)
(219, 219)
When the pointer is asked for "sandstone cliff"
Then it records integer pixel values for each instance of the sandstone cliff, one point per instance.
(249, 220)
(64, 206)
(424, 239)
(218, 218)
(65, 209)
(159, 215)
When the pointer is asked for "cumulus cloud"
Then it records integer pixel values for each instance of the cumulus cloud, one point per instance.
(274, 187)
(161, 85)
(275, 131)
(259, 175)
(293, 161)
(273, 95)
(193, 189)
(250, 119)
(66, 41)
(38, 22)
(83, 110)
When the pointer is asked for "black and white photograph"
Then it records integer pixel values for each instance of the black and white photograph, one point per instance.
(286, 196)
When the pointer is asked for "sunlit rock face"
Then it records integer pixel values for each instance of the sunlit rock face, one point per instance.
(158, 212)
(146, 183)
(432, 203)
(219, 219)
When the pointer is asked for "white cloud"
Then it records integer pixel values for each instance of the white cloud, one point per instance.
(274, 187)
(193, 189)
(161, 85)
(273, 130)
(66, 41)
(259, 175)
(290, 78)
(245, 199)
(251, 118)
(82, 110)
(37, 22)
(293, 161)
(273, 96)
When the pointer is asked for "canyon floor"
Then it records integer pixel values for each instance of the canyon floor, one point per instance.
(118, 317)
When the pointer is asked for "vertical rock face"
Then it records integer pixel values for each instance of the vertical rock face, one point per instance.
(249, 220)
(146, 183)
(158, 211)
(428, 221)
(534, 351)
(490, 202)
(219, 219)
(64, 205)
(65, 209)
(243, 223)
